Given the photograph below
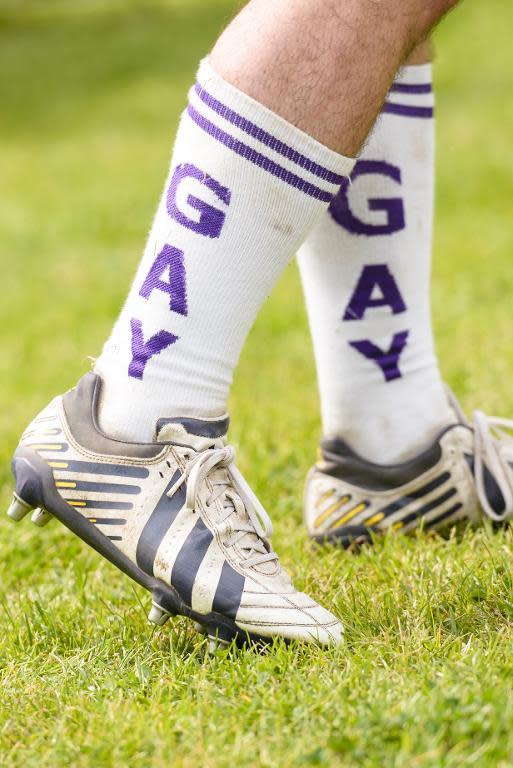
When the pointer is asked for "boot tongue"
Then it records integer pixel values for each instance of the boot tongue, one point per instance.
(196, 433)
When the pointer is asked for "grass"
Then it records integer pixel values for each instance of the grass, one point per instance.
(91, 93)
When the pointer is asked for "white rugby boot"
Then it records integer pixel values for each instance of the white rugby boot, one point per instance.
(467, 473)
(174, 515)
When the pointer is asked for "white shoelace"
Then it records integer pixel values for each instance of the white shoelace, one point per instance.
(249, 522)
(488, 437)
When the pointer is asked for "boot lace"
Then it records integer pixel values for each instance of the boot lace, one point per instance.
(250, 525)
(490, 436)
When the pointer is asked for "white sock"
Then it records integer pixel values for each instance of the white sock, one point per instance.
(366, 272)
(244, 189)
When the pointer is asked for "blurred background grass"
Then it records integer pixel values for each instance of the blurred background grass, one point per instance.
(90, 96)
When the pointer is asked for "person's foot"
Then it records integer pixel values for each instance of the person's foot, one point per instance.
(175, 515)
(465, 474)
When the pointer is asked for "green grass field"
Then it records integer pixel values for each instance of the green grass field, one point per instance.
(90, 96)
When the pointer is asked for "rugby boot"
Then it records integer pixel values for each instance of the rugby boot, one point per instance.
(466, 474)
(175, 515)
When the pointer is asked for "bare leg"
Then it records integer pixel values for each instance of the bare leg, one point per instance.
(324, 65)
(422, 54)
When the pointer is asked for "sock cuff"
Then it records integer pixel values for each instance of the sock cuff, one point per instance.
(265, 138)
(411, 94)
(415, 74)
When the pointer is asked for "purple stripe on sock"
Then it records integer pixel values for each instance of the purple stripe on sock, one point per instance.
(412, 88)
(407, 110)
(260, 160)
(266, 138)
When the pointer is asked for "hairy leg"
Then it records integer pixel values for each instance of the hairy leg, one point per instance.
(324, 65)
(421, 54)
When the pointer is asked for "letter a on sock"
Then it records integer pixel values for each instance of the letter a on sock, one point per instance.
(170, 261)
(375, 276)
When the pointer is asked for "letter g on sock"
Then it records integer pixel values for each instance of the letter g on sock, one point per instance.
(392, 208)
(211, 220)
